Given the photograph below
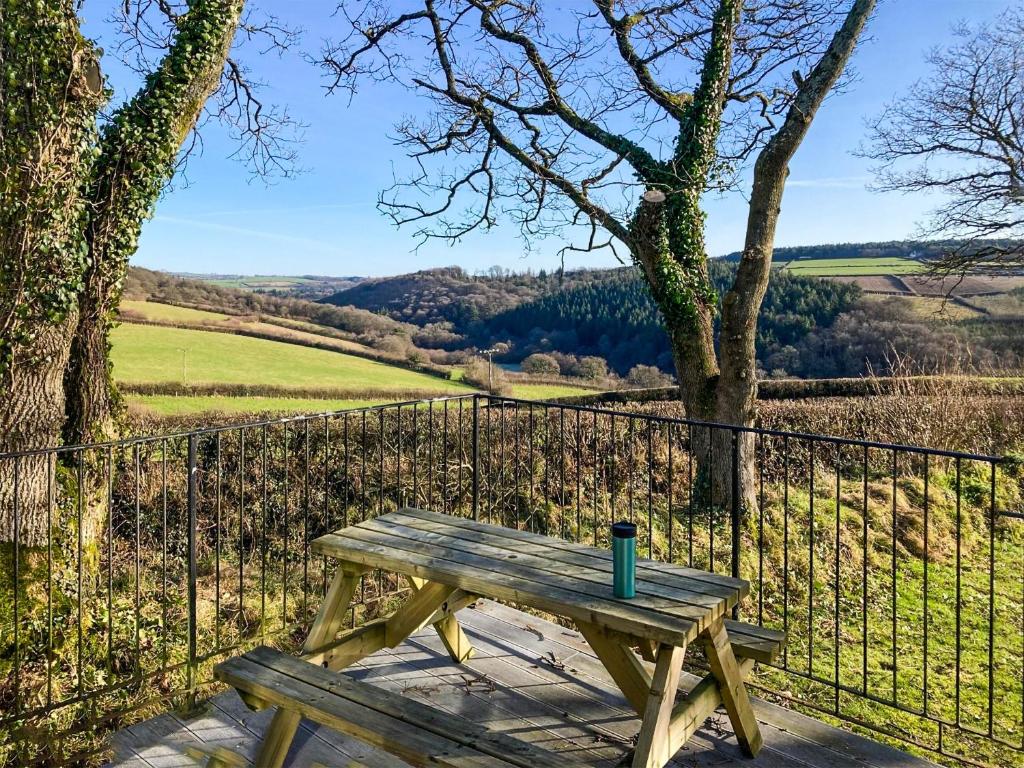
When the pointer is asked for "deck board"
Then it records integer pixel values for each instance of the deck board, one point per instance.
(531, 679)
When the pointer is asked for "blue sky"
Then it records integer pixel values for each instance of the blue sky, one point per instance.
(325, 221)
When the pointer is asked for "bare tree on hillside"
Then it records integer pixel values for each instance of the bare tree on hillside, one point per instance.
(616, 117)
(959, 133)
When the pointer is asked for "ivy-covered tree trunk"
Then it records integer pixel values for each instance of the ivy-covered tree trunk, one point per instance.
(667, 240)
(50, 91)
(137, 155)
(705, 393)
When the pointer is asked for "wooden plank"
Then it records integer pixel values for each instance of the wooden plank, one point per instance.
(455, 641)
(493, 560)
(701, 702)
(329, 620)
(546, 594)
(731, 687)
(313, 741)
(621, 663)
(719, 583)
(417, 715)
(538, 702)
(653, 746)
(675, 601)
(350, 646)
(418, 610)
(668, 576)
(416, 747)
(750, 641)
(217, 757)
(376, 717)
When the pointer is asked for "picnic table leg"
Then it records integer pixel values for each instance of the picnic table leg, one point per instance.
(730, 685)
(621, 663)
(281, 732)
(449, 630)
(654, 747)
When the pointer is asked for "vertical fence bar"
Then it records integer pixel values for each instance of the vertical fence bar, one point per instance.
(735, 513)
(191, 667)
(476, 457)
(16, 582)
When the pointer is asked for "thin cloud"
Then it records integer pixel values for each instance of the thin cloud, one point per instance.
(258, 234)
(834, 182)
(283, 209)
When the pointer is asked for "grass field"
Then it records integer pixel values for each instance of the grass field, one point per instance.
(547, 391)
(169, 405)
(260, 282)
(168, 313)
(172, 405)
(150, 354)
(309, 333)
(865, 266)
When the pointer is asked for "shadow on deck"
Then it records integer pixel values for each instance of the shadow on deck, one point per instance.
(530, 678)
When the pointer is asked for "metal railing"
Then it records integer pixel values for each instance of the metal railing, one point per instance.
(896, 571)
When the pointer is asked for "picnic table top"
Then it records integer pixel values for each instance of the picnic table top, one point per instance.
(673, 603)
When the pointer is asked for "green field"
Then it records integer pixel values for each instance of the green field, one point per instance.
(168, 313)
(260, 282)
(547, 391)
(150, 354)
(169, 405)
(853, 267)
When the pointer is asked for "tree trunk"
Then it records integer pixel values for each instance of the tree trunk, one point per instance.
(701, 384)
(91, 396)
(51, 92)
(138, 153)
(30, 418)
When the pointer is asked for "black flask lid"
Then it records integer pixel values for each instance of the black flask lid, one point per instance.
(624, 530)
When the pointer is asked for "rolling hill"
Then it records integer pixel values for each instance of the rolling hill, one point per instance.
(452, 295)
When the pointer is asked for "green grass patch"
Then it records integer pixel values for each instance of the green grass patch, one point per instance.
(168, 313)
(839, 267)
(169, 405)
(150, 354)
(547, 391)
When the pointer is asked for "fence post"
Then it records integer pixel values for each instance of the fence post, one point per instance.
(190, 703)
(476, 457)
(735, 512)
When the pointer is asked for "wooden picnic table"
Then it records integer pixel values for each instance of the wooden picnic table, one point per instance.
(450, 562)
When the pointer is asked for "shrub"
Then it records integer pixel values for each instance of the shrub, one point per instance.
(647, 377)
(591, 367)
(541, 364)
(476, 373)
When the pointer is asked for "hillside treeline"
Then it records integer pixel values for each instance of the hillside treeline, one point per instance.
(452, 295)
(616, 318)
(891, 249)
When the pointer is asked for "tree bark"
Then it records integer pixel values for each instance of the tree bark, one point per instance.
(736, 389)
(138, 153)
(46, 129)
(31, 418)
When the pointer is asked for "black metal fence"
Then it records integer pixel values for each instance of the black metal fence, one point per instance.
(896, 571)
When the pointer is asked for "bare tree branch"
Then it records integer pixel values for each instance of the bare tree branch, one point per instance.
(958, 133)
(266, 136)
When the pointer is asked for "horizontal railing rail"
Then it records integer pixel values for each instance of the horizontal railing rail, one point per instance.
(131, 567)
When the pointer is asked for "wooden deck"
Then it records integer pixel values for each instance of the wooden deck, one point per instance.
(532, 679)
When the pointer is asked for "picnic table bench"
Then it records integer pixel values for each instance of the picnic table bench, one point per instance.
(450, 562)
